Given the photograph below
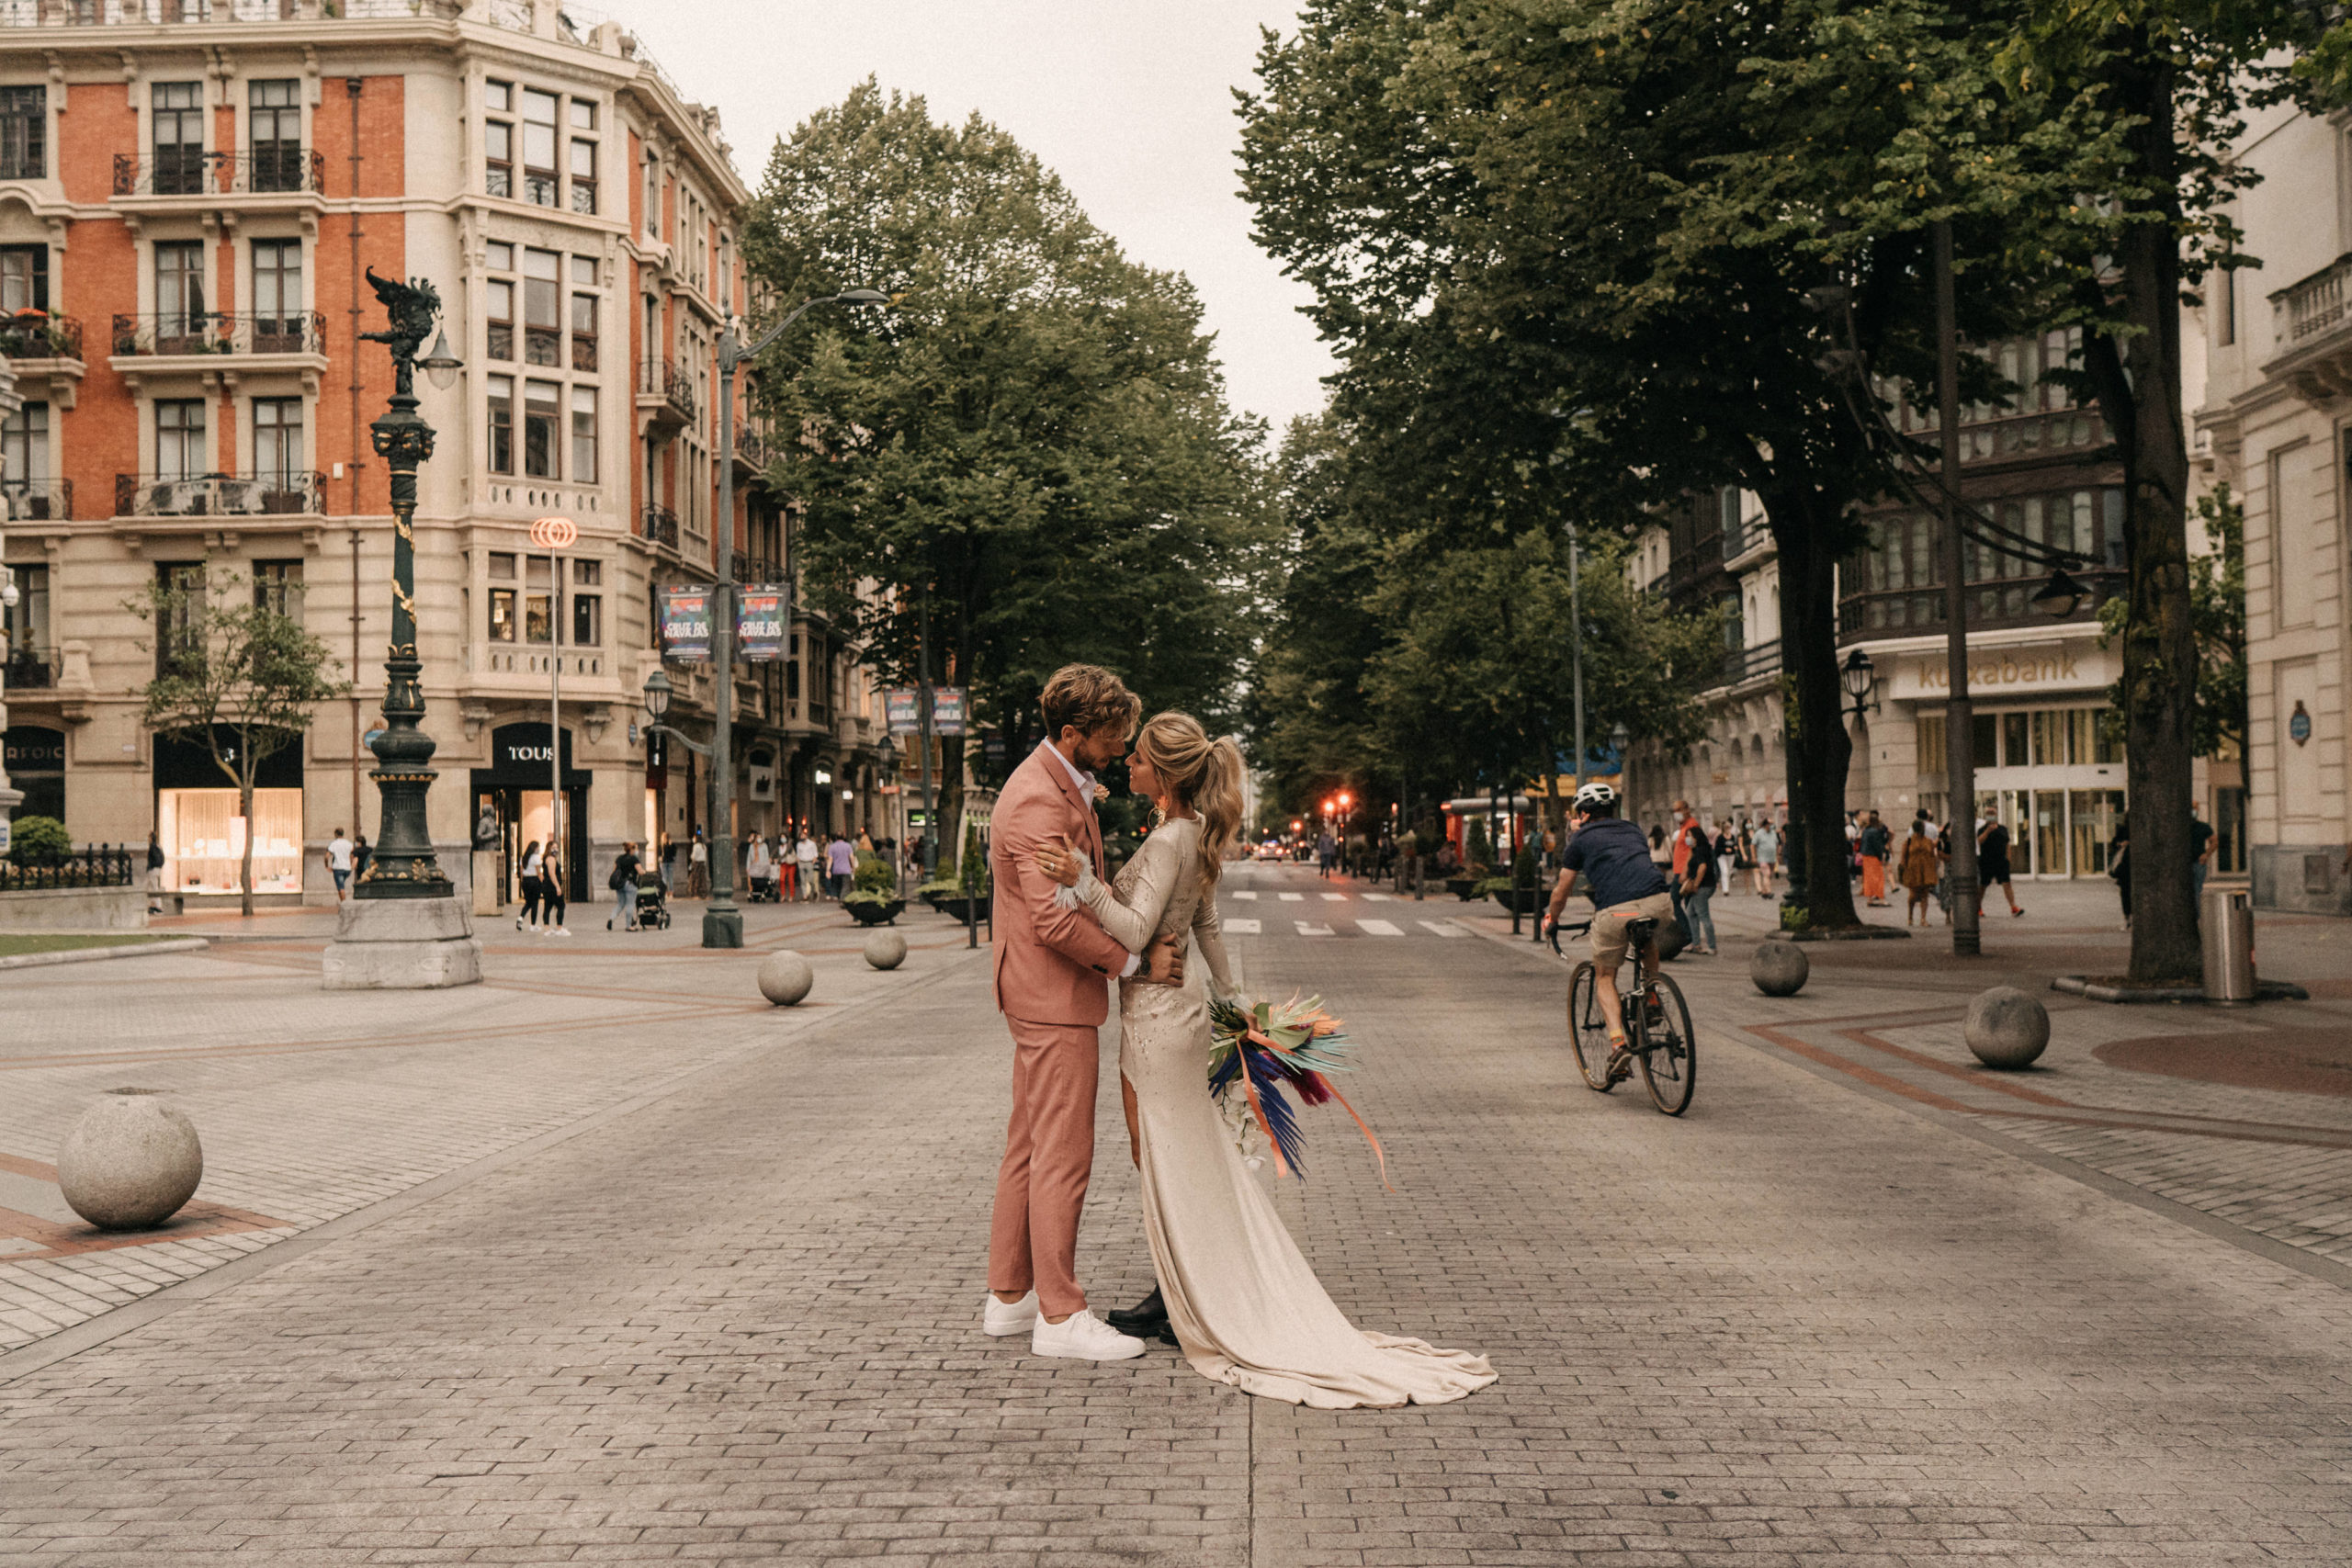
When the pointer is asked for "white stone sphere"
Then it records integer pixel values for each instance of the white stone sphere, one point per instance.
(886, 950)
(785, 978)
(1779, 967)
(2006, 1028)
(131, 1161)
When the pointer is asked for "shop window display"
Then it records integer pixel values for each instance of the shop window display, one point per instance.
(204, 839)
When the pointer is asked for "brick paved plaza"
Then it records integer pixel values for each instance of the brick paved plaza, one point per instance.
(605, 1260)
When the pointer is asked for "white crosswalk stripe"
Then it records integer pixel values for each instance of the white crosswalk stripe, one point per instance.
(1241, 928)
(1335, 898)
(1377, 928)
(1291, 898)
(1245, 894)
(1442, 927)
(1308, 928)
(1378, 897)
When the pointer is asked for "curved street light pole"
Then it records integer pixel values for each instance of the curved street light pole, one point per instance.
(722, 922)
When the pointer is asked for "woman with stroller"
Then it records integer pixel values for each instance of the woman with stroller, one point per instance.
(623, 881)
(758, 867)
(532, 863)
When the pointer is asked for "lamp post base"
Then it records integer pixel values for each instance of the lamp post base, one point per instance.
(722, 928)
(402, 945)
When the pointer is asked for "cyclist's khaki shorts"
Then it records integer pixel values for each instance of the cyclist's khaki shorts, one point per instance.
(1608, 929)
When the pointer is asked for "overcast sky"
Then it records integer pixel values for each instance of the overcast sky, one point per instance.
(1130, 101)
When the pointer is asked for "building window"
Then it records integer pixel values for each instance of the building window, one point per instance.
(498, 141)
(277, 297)
(274, 120)
(203, 840)
(278, 586)
(2225, 306)
(24, 134)
(652, 198)
(542, 409)
(583, 171)
(27, 623)
(502, 424)
(587, 620)
(277, 453)
(24, 277)
(583, 436)
(583, 317)
(542, 307)
(183, 585)
(501, 600)
(499, 313)
(24, 457)
(538, 148)
(538, 582)
(178, 109)
(179, 439)
(179, 297)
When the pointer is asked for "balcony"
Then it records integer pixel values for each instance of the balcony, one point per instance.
(39, 500)
(756, 570)
(657, 525)
(753, 454)
(219, 495)
(2312, 330)
(1991, 603)
(37, 334)
(2032, 435)
(664, 388)
(186, 171)
(32, 669)
(148, 341)
(1746, 664)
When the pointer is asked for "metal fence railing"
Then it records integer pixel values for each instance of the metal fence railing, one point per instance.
(93, 865)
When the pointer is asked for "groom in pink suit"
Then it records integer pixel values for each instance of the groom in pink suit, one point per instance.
(1054, 967)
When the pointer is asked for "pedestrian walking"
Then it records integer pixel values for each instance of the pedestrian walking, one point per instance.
(699, 868)
(1327, 853)
(1873, 844)
(756, 866)
(2119, 865)
(1765, 845)
(1689, 842)
(665, 863)
(623, 883)
(804, 856)
(338, 858)
(1725, 844)
(2201, 844)
(841, 861)
(154, 874)
(1992, 864)
(1919, 870)
(1699, 880)
(552, 897)
(1409, 864)
(1742, 857)
(533, 861)
(360, 856)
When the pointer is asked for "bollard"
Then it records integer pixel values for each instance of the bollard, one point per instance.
(1780, 968)
(131, 1161)
(785, 978)
(886, 950)
(2005, 1027)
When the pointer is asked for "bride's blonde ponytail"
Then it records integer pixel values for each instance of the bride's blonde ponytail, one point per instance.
(1205, 776)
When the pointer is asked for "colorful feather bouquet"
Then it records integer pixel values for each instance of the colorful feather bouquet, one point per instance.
(1257, 1051)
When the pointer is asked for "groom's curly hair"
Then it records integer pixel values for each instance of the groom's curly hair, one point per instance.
(1088, 696)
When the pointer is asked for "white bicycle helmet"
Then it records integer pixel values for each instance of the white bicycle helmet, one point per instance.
(1597, 795)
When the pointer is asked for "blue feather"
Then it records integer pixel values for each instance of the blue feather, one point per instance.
(1267, 1077)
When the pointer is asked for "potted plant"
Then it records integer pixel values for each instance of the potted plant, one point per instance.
(966, 898)
(1518, 892)
(873, 898)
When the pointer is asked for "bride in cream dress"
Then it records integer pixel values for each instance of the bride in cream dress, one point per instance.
(1243, 1304)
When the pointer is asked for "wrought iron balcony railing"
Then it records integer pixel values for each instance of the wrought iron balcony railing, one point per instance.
(219, 495)
(32, 669)
(658, 524)
(39, 500)
(751, 447)
(37, 334)
(190, 171)
(667, 380)
(218, 332)
(1745, 663)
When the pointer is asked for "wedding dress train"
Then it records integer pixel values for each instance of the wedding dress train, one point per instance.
(1245, 1307)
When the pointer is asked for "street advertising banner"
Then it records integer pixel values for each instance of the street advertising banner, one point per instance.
(685, 623)
(900, 704)
(761, 611)
(947, 710)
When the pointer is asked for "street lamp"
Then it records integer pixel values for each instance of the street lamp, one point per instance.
(440, 366)
(658, 692)
(722, 922)
(2060, 596)
(1859, 675)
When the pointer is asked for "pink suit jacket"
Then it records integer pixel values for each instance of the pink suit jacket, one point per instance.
(1053, 965)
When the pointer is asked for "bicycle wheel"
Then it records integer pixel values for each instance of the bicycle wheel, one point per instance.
(1669, 1055)
(1588, 1032)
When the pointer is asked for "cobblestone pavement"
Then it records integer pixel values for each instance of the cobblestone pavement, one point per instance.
(737, 1323)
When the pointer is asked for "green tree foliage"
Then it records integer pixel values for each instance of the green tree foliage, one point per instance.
(2217, 612)
(236, 676)
(32, 840)
(1034, 437)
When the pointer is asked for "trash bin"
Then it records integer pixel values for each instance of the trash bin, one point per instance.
(2228, 932)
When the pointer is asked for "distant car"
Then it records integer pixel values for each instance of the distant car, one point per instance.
(1270, 850)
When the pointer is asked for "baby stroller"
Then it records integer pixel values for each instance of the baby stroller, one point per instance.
(652, 903)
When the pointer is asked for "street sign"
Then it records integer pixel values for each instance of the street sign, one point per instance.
(947, 710)
(899, 703)
(761, 613)
(898, 706)
(685, 623)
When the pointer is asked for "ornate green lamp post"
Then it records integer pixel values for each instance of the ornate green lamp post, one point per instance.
(403, 865)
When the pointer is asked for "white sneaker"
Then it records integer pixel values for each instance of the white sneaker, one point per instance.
(1085, 1337)
(1005, 1319)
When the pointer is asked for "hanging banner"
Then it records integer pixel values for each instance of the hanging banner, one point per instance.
(685, 623)
(898, 705)
(947, 710)
(761, 612)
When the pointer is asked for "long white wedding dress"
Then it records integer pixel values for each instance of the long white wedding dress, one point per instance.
(1246, 1308)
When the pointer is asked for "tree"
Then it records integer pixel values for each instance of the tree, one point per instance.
(2217, 615)
(1031, 447)
(235, 675)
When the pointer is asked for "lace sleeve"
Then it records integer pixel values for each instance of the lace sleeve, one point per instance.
(1132, 921)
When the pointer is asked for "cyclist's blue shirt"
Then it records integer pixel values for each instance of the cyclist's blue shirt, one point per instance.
(1612, 859)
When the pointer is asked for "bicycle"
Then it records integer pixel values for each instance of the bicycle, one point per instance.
(1657, 1025)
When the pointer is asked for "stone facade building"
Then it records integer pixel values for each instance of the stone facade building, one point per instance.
(191, 192)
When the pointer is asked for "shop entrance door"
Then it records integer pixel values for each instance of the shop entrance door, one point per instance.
(523, 822)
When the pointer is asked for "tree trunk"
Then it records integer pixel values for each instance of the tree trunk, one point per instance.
(951, 804)
(2139, 382)
(1811, 706)
(246, 810)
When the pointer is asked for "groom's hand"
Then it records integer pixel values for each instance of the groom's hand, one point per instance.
(1163, 963)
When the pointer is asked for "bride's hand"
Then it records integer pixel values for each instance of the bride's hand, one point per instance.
(1061, 862)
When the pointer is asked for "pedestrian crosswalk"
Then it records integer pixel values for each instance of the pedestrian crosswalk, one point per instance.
(1364, 926)
(1377, 928)
(1241, 927)
(1328, 921)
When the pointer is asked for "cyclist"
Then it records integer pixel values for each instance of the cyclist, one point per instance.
(1624, 885)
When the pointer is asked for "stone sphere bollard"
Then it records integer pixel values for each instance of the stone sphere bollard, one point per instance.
(1779, 967)
(886, 950)
(785, 978)
(131, 1161)
(2006, 1028)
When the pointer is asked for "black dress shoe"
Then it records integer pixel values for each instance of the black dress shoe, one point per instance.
(1147, 1319)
